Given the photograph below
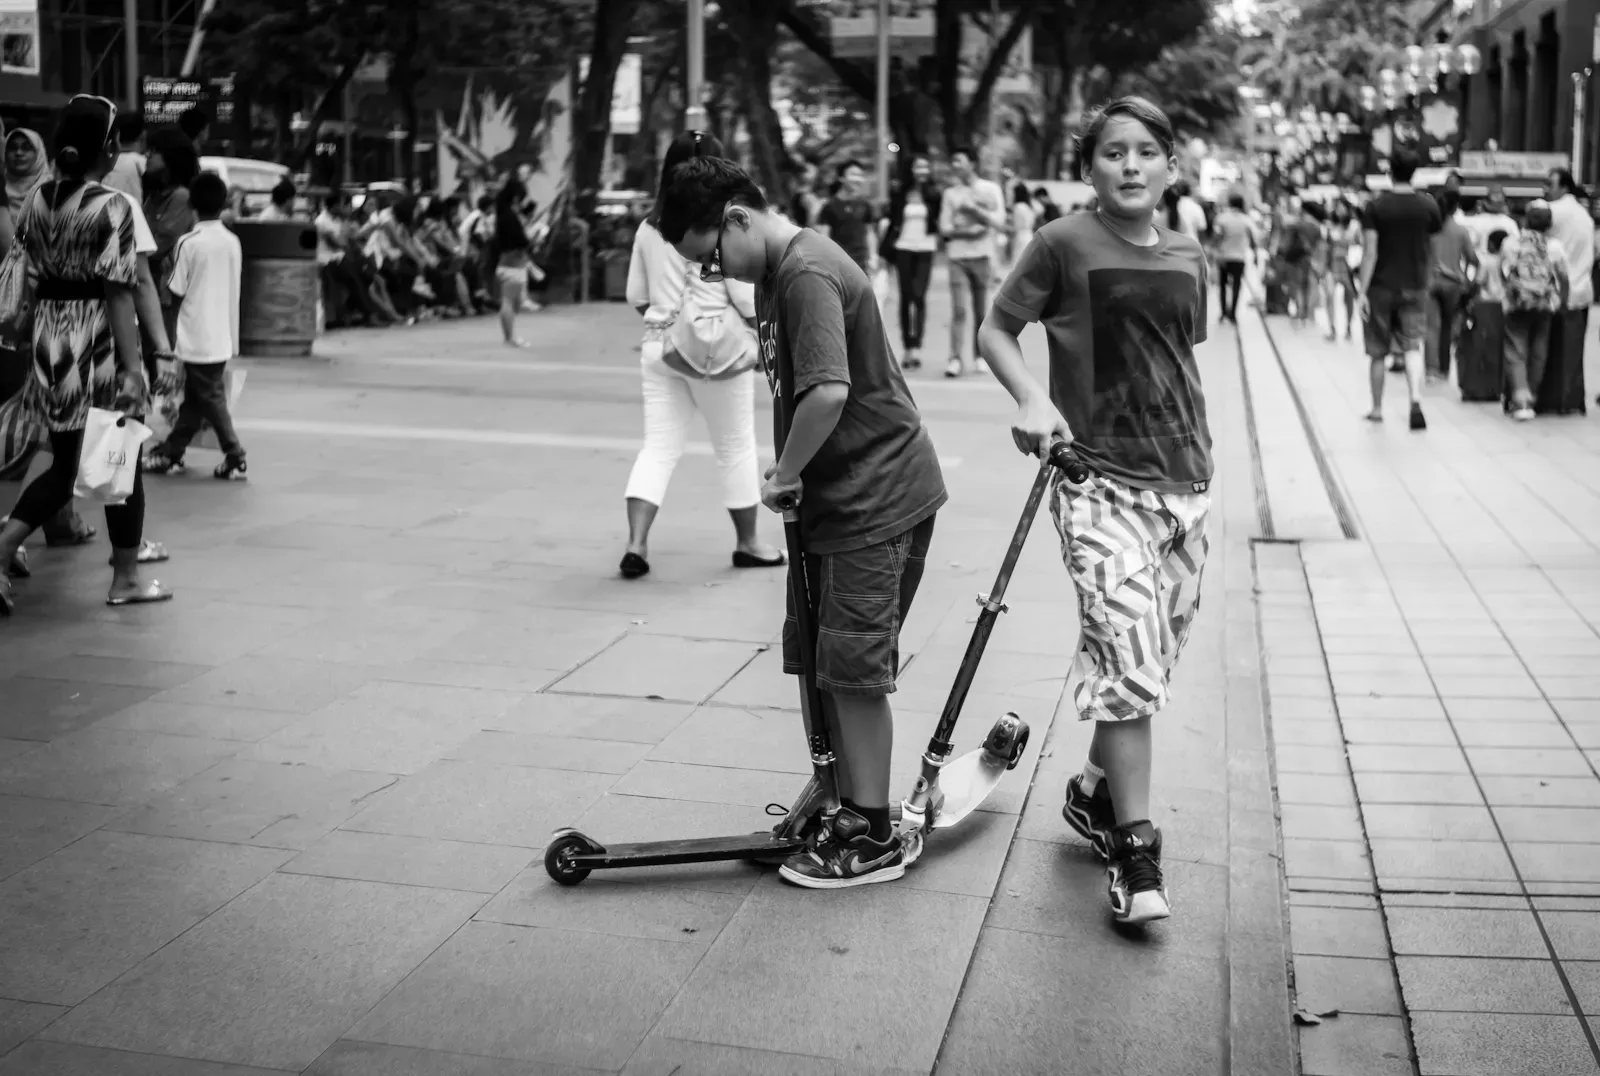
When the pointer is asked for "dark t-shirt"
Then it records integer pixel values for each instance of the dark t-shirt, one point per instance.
(1122, 321)
(877, 474)
(1405, 222)
(849, 221)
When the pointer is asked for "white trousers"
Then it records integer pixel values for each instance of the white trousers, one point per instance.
(670, 403)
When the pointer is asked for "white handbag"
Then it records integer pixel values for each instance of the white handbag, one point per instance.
(711, 346)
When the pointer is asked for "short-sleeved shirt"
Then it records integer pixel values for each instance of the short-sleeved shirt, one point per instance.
(144, 240)
(205, 278)
(1405, 222)
(1235, 235)
(877, 475)
(849, 222)
(1121, 321)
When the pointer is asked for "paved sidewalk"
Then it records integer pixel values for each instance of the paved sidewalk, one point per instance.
(291, 822)
(1435, 699)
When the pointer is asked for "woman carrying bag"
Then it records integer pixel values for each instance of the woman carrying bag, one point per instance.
(79, 237)
(699, 354)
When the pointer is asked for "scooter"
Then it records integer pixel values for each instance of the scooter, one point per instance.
(945, 792)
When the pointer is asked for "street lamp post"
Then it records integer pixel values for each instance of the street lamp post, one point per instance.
(397, 136)
(694, 113)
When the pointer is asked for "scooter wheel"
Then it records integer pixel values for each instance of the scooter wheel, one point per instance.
(1008, 740)
(558, 858)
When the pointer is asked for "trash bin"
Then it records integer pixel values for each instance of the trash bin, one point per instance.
(278, 295)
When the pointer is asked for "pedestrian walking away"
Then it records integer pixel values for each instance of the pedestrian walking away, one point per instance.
(699, 355)
(80, 241)
(1533, 267)
(853, 452)
(910, 242)
(1236, 246)
(1123, 302)
(206, 272)
(971, 211)
(1392, 296)
(1455, 266)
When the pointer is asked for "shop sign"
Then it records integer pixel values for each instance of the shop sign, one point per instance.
(165, 99)
(19, 37)
(1520, 165)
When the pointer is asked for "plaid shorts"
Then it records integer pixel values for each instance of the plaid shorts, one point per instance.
(862, 597)
(1135, 557)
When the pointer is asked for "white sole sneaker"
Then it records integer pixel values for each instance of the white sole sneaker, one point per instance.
(887, 874)
(1146, 907)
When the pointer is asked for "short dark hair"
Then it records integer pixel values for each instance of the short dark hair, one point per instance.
(130, 125)
(1236, 200)
(698, 191)
(1539, 218)
(193, 120)
(1564, 180)
(1449, 201)
(850, 163)
(208, 194)
(283, 193)
(685, 147)
(1403, 164)
(1497, 239)
(1042, 192)
(177, 151)
(964, 151)
(1131, 107)
(485, 202)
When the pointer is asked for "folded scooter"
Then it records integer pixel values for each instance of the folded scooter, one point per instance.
(945, 792)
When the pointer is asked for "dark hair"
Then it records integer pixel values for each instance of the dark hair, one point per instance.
(1236, 200)
(208, 194)
(964, 151)
(1169, 199)
(1564, 180)
(485, 202)
(1497, 239)
(130, 125)
(849, 163)
(193, 120)
(509, 233)
(282, 194)
(1020, 193)
(695, 196)
(686, 147)
(1539, 218)
(438, 209)
(405, 210)
(1449, 201)
(1134, 108)
(177, 152)
(1042, 193)
(81, 135)
(1315, 211)
(1403, 165)
(1183, 188)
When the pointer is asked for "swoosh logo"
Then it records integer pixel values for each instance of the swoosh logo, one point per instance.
(862, 866)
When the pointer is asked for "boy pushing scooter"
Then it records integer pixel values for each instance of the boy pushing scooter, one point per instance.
(1122, 302)
(853, 449)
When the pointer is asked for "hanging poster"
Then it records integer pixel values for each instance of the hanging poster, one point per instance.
(19, 37)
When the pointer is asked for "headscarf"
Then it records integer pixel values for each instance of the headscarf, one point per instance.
(19, 185)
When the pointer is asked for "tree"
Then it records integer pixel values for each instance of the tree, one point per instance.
(1319, 53)
(591, 127)
(1196, 82)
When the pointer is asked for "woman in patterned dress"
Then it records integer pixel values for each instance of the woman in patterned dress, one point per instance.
(85, 338)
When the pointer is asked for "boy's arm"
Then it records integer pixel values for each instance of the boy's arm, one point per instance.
(1031, 288)
(813, 316)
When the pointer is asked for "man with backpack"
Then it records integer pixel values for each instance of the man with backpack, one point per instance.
(1534, 268)
(1397, 231)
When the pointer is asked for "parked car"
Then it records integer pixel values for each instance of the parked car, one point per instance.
(254, 178)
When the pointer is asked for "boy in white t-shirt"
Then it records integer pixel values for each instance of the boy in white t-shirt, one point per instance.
(207, 265)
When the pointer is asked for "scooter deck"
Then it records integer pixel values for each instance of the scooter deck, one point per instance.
(695, 850)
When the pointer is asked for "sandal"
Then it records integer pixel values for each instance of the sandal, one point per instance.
(633, 566)
(18, 568)
(151, 553)
(150, 592)
(741, 559)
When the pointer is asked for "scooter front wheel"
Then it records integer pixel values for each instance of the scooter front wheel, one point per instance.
(1008, 739)
(558, 857)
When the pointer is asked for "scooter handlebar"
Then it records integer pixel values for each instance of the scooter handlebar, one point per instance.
(1062, 456)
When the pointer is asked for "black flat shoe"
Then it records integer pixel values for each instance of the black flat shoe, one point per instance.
(18, 568)
(633, 566)
(741, 559)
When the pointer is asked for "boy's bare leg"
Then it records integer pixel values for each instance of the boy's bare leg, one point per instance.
(1123, 750)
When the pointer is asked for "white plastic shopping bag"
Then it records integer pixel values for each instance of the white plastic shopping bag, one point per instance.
(110, 453)
(207, 437)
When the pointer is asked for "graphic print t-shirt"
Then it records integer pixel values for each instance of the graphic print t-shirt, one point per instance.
(1122, 321)
(877, 474)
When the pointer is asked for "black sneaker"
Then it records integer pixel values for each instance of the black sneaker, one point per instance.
(1417, 421)
(232, 469)
(1138, 891)
(156, 461)
(1091, 816)
(847, 856)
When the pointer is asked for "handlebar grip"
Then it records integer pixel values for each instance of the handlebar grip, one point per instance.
(1062, 456)
(788, 502)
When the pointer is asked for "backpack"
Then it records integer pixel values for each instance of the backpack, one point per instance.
(1295, 249)
(1530, 275)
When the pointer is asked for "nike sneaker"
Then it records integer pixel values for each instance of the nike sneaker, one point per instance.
(846, 856)
(1137, 889)
(1091, 816)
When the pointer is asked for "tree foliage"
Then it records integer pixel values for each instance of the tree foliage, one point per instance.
(1320, 53)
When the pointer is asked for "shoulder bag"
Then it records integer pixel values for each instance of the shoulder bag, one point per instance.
(711, 347)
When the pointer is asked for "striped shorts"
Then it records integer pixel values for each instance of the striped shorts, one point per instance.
(1135, 557)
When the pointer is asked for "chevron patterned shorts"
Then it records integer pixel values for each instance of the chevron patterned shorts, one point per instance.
(1135, 557)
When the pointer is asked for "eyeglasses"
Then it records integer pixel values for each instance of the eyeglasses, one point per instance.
(711, 271)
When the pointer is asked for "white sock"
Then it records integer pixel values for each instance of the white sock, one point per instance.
(1091, 777)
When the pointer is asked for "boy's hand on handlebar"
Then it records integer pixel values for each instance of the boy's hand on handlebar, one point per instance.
(777, 489)
(1037, 425)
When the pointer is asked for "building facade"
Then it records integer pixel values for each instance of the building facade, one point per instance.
(1525, 98)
